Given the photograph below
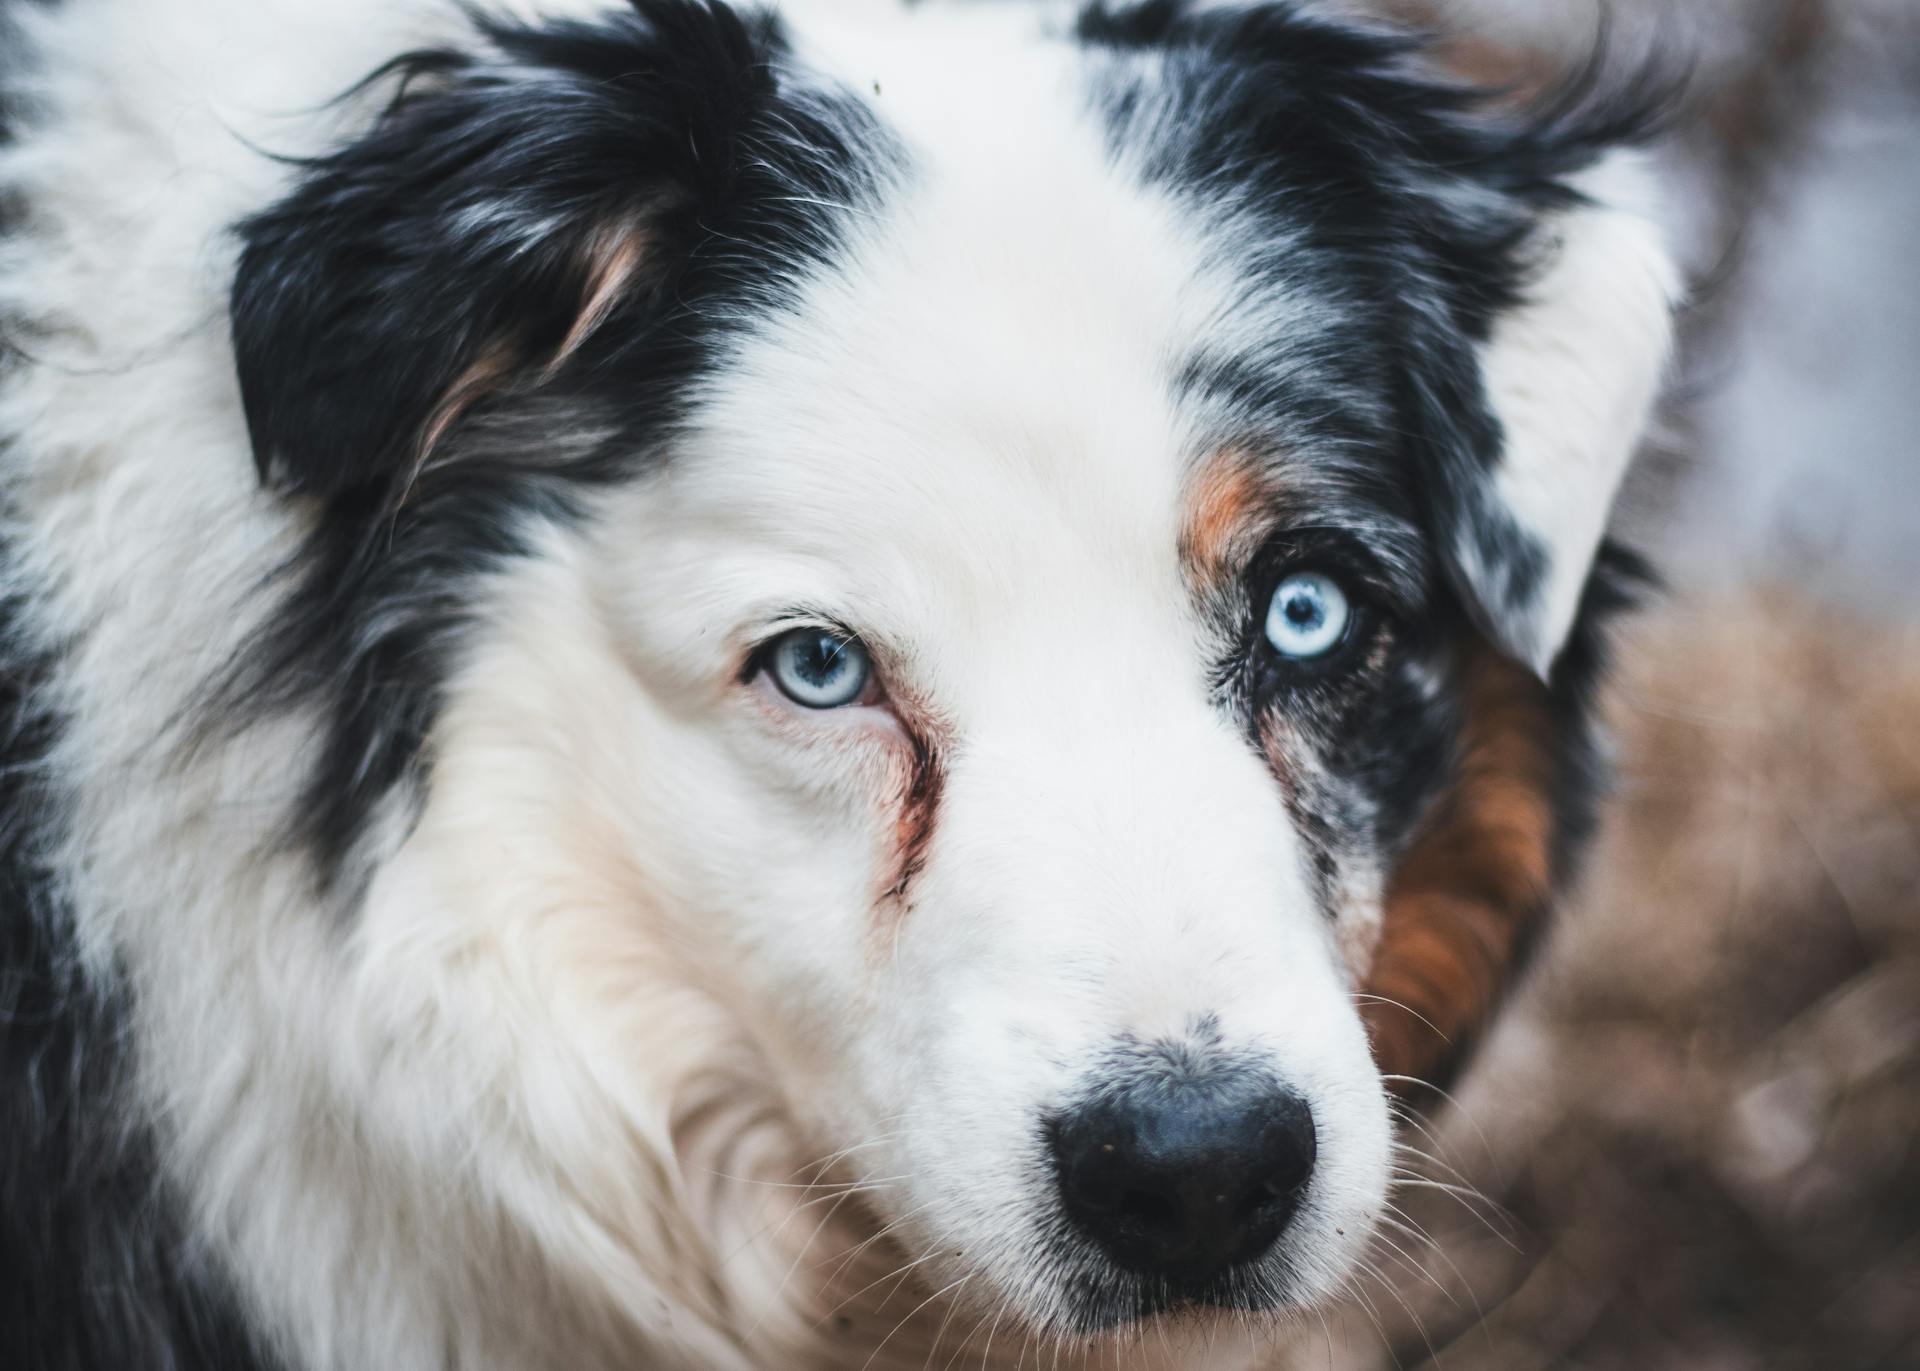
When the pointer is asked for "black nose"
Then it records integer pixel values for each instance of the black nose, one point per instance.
(1183, 1183)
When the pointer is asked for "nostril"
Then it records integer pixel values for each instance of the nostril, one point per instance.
(1267, 1191)
(1271, 1189)
(1289, 1146)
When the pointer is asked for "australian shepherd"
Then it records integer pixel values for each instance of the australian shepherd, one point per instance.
(686, 685)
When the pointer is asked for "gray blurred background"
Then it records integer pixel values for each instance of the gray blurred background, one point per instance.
(1795, 183)
(1695, 1140)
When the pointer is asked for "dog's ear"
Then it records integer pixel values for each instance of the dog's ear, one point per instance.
(505, 206)
(1568, 362)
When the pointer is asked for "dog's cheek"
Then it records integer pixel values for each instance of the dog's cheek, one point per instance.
(1356, 769)
(1331, 821)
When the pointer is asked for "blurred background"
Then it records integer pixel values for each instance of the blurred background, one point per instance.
(1694, 1142)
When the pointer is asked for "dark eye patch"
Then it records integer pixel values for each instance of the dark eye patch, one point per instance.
(1373, 601)
(1359, 738)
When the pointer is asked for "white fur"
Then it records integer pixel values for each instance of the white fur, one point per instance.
(1572, 374)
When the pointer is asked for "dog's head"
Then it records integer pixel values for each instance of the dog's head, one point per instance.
(1047, 573)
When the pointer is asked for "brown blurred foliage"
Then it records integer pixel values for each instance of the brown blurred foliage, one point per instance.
(1695, 1141)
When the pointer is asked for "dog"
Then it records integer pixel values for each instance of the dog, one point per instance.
(696, 686)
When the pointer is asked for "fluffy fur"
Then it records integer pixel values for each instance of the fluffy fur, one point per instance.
(432, 940)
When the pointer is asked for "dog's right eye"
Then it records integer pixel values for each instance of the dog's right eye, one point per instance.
(820, 669)
(1307, 616)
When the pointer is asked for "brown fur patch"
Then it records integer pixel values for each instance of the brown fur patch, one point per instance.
(913, 828)
(615, 259)
(614, 262)
(1463, 901)
(1228, 495)
(485, 376)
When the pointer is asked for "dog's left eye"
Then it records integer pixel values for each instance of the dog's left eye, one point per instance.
(820, 669)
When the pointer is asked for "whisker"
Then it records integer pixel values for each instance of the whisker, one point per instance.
(1365, 998)
(1452, 1101)
(1418, 1269)
(1419, 1324)
(907, 1318)
(895, 1275)
(1359, 1297)
(800, 1256)
(855, 1254)
(1468, 1196)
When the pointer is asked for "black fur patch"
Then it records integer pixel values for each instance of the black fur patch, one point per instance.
(1621, 581)
(1402, 201)
(1400, 210)
(458, 234)
(97, 1275)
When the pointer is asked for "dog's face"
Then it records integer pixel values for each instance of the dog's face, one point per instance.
(1046, 541)
(1016, 685)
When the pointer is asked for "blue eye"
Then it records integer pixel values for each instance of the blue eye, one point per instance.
(1307, 616)
(819, 669)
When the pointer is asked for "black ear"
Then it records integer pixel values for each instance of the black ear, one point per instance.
(490, 301)
(505, 205)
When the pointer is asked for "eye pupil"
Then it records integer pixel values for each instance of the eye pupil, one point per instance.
(816, 661)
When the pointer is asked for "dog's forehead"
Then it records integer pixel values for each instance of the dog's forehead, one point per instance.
(990, 386)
